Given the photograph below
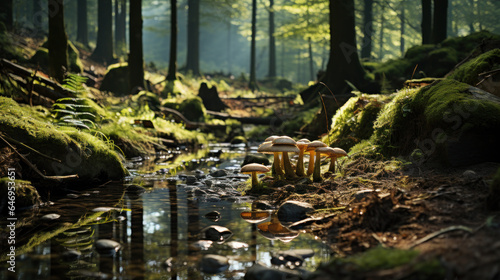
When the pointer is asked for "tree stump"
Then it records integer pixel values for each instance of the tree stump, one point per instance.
(211, 99)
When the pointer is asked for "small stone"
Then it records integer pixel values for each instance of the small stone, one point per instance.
(71, 255)
(219, 173)
(213, 216)
(107, 247)
(190, 179)
(50, 217)
(214, 263)
(236, 245)
(216, 233)
(261, 272)
(294, 211)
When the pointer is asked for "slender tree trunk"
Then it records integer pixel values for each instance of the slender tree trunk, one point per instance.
(229, 58)
(104, 46)
(37, 20)
(426, 22)
(135, 59)
(253, 80)
(82, 34)
(472, 17)
(193, 37)
(272, 42)
(366, 48)
(311, 61)
(439, 21)
(6, 13)
(381, 34)
(120, 22)
(402, 38)
(344, 64)
(172, 64)
(58, 41)
(282, 58)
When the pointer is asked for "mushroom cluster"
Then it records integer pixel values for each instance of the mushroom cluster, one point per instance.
(283, 168)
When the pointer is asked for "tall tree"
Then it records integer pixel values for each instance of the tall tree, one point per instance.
(135, 59)
(172, 63)
(120, 30)
(440, 21)
(36, 16)
(402, 29)
(272, 42)
(366, 47)
(6, 12)
(381, 34)
(58, 40)
(193, 37)
(343, 64)
(103, 51)
(82, 34)
(253, 79)
(426, 21)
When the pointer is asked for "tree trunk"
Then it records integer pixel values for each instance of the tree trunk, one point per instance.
(272, 42)
(135, 59)
(402, 38)
(343, 64)
(311, 61)
(472, 19)
(104, 46)
(37, 17)
(58, 41)
(229, 58)
(82, 34)
(6, 13)
(439, 21)
(381, 34)
(426, 22)
(120, 22)
(172, 63)
(253, 80)
(366, 48)
(193, 37)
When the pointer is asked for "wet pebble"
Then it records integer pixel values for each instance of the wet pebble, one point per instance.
(213, 216)
(72, 195)
(201, 245)
(216, 233)
(218, 173)
(236, 245)
(214, 263)
(262, 205)
(293, 211)
(190, 179)
(261, 272)
(107, 247)
(71, 255)
(50, 217)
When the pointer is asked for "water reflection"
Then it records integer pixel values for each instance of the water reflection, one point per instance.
(159, 231)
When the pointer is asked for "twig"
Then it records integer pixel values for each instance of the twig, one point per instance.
(34, 167)
(439, 232)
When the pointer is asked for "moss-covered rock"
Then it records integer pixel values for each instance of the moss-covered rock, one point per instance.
(25, 194)
(441, 120)
(354, 121)
(493, 199)
(41, 57)
(116, 79)
(469, 72)
(77, 152)
(193, 109)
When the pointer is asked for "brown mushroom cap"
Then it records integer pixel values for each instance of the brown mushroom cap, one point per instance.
(303, 143)
(339, 152)
(254, 167)
(325, 151)
(284, 140)
(264, 148)
(284, 148)
(314, 145)
(271, 138)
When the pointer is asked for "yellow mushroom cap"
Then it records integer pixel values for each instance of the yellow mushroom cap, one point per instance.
(314, 145)
(271, 138)
(339, 152)
(254, 167)
(265, 147)
(303, 143)
(284, 140)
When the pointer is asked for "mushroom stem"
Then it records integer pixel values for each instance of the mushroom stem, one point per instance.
(300, 164)
(255, 180)
(311, 163)
(289, 174)
(332, 164)
(317, 169)
(277, 166)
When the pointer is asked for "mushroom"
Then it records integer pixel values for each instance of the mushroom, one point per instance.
(285, 145)
(255, 217)
(275, 230)
(302, 145)
(311, 147)
(317, 165)
(336, 153)
(254, 168)
(267, 148)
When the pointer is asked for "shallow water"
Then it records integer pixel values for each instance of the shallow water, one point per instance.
(158, 230)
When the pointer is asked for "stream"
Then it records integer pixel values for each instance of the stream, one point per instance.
(165, 229)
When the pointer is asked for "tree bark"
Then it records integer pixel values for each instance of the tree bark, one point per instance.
(402, 33)
(120, 22)
(104, 46)
(172, 64)
(135, 59)
(343, 64)
(253, 80)
(311, 61)
(193, 37)
(82, 24)
(426, 22)
(6, 13)
(366, 48)
(440, 21)
(58, 41)
(381, 34)
(272, 42)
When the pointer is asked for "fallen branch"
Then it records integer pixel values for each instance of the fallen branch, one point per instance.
(32, 166)
(29, 148)
(439, 232)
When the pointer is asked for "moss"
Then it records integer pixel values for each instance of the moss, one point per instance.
(131, 141)
(238, 140)
(79, 152)
(493, 199)
(146, 97)
(354, 121)
(41, 57)
(193, 109)
(469, 72)
(469, 42)
(116, 79)
(26, 195)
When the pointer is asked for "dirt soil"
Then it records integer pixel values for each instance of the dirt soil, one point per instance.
(440, 213)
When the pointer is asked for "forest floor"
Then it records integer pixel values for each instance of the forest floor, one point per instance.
(440, 213)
